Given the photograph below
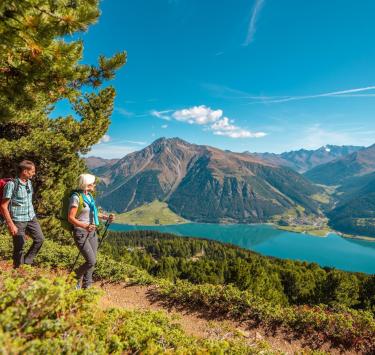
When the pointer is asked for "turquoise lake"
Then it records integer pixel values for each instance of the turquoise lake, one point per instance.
(334, 250)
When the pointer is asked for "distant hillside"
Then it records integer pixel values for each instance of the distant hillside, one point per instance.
(356, 215)
(202, 183)
(154, 213)
(342, 170)
(303, 160)
(354, 178)
(96, 162)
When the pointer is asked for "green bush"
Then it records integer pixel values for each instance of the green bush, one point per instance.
(343, 326)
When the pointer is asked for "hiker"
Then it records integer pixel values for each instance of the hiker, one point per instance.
(18, 212)
(85, 223)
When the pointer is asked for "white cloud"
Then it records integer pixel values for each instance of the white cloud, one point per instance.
(114, 148)
(224, 92)
(124, 112)
(223, 127)
(342, 93)
(211, 120)
(136, 142)
(200, 115)
(164, 126)
(161, 114)
(253, 21)
(105, 139)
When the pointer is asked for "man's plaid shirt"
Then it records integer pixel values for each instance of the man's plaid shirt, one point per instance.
(21, 204)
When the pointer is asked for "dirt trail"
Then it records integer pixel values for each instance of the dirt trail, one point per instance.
(196, 322)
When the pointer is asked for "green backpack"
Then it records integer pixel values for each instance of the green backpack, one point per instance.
(65, 208)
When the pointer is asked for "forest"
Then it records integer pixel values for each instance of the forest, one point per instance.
(203, 261)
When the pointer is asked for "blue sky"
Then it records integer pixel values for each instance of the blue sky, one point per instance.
(256, 75)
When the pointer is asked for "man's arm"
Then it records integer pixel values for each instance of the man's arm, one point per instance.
(13, 230)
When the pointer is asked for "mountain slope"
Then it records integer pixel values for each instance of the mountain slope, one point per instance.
(356, 214)
(96, 162)
(205, 184)
(354, 176)
(146, 175)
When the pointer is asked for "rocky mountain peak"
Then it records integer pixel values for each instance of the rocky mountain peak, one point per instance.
(204, 183)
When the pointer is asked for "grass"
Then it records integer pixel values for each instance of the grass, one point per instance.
(322, 198)
(151, 214)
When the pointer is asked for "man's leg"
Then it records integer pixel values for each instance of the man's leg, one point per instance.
(33, 227)
(18, 243)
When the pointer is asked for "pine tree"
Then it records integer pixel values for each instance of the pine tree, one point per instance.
(40, 64)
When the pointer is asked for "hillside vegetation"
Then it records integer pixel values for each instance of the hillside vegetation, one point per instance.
(41, 313)
(338, 324)
(203, 261)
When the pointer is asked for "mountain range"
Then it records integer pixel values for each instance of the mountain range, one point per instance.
(303, 160)
(206, 184)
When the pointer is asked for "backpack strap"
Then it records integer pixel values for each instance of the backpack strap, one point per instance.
(81, 203)
(17, 184)
(16, 187)
(30, 186)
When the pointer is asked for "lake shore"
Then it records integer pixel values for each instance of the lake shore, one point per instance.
(323, 233)
(352, 236)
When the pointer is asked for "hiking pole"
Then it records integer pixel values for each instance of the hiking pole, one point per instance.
(107, 223)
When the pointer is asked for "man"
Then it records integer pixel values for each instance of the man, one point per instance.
(18, 211)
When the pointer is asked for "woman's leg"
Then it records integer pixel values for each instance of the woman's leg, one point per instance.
(87, 277)
(82, 240)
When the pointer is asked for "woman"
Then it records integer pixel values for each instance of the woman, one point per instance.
(84, 216)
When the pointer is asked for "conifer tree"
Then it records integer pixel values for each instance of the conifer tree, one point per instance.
(40, 64)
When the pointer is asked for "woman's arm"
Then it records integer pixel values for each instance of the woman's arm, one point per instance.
(73, 220)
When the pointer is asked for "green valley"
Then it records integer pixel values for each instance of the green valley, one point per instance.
(154, 213)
